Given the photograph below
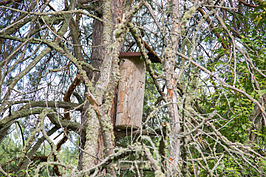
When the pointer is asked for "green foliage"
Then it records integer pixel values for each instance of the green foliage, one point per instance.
(69, 155)
(9, 153)
(236, 111)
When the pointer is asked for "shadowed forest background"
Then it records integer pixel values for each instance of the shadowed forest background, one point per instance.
(132, 88)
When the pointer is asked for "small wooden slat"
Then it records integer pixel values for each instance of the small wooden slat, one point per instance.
(152, 56)
(129, 54)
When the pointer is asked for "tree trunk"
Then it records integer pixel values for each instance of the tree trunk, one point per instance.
(175, 119)
(97, 55)
(98, 141)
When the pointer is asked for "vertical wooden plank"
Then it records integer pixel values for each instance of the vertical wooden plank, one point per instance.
(130, 93)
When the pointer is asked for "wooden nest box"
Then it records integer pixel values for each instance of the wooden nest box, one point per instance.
(130, 96)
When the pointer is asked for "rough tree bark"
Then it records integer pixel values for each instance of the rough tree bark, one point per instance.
(97, 56)
(169, 64)
(99, 139)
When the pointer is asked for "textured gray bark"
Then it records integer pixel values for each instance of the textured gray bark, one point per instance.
(98, 138)
(96, 61)
(175, 119)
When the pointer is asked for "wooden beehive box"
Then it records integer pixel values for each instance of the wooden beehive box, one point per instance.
(130, 96)
(130, 91)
